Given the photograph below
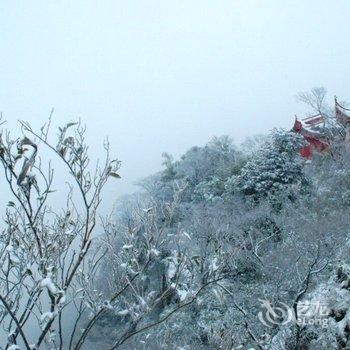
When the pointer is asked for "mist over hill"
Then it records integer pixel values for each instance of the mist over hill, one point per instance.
(226, 247)
(249, 244)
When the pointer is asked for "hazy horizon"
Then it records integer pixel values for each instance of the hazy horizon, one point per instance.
(161, 76)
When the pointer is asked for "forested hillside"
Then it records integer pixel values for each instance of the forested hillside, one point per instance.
(232, 243)
(227, 247)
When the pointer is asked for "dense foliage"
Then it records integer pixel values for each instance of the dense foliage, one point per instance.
(225, 248)
(265, 225)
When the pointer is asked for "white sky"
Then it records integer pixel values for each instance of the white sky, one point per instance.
(166, 75)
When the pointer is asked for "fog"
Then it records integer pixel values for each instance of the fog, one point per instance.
(163, 76)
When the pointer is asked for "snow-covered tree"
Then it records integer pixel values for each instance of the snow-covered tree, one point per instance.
(52, 293)
(275, 169)
(47, 264)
